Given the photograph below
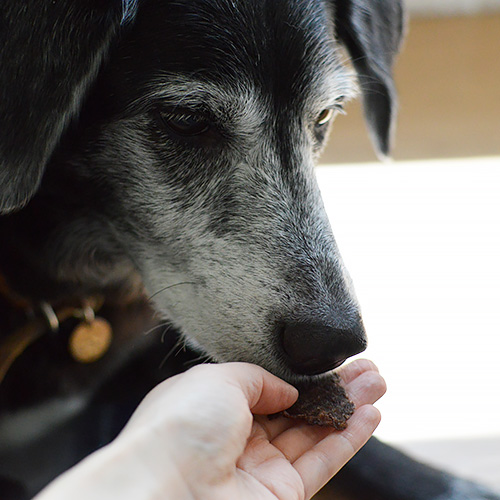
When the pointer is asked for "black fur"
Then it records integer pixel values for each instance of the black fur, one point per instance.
(90, 171)
(362, 27)
(45, 78)
(50, 53)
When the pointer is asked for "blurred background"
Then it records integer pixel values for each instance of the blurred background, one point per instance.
(421, 238)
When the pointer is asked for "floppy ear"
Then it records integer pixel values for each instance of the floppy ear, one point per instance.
(50, 53)
(371, 31)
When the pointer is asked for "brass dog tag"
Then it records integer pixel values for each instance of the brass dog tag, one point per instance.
(89, 341)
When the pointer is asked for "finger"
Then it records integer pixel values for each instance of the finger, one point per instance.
(363, 384)
(295, 440)
(273, 426)
(351, 371)
(320, 463)
(265, 393)
(367, 388)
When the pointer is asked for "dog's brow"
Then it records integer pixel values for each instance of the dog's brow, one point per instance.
(239, 102)
(334, 80)
(194, 93)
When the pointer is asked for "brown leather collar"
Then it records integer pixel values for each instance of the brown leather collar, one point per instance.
(88, 342)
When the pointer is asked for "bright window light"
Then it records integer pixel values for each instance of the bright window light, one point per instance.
(421, 241)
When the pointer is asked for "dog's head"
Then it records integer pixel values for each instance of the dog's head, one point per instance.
(183, 140)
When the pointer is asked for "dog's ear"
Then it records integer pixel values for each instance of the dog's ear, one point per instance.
(50, 53)
(371, 31)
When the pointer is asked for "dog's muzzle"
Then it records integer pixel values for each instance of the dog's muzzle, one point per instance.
(312, 348)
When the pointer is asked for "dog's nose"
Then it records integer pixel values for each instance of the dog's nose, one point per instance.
(315, 348)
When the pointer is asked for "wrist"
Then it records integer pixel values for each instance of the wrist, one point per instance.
(124, 469)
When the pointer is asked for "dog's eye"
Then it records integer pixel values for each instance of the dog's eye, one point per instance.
(324, 117)
(186, 124)
(328, 114)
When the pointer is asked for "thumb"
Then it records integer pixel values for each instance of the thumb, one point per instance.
(264, 392)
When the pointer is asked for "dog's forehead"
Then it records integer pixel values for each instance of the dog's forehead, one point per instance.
(280, 46)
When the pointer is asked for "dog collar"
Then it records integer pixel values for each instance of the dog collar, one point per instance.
(88, 341)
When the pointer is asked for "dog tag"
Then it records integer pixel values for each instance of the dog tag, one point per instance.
(89, 341)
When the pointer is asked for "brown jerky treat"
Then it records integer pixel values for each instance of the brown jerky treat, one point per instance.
(322, 402)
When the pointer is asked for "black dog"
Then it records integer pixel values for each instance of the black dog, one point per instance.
(169, 146)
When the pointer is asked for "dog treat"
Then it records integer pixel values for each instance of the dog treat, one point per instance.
(322, 402)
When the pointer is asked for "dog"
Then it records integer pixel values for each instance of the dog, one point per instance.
(158, 155)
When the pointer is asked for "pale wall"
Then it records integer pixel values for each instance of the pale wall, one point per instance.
(452, 7)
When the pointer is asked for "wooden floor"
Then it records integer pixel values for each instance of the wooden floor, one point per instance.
(448, 77)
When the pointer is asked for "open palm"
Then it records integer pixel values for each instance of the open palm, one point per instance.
(204, 435)
(238, 452)
(285, 460)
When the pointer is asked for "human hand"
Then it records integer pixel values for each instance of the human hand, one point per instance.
(204, 435)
